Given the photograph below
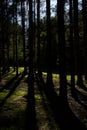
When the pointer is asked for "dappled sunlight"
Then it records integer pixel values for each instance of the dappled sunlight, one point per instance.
(43, 65)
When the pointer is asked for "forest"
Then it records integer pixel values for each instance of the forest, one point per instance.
(43, 64)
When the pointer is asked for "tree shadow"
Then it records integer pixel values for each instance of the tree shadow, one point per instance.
(8, 84)
(81, 98)
(12, 89)
(63, 114)
(83, 86)
(81, 94)
(30, 117)
(6, 74)
(46, 105)
(14, 122)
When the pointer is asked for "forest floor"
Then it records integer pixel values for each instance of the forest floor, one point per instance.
(13, 106)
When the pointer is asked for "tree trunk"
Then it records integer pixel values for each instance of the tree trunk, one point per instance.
(16, 41)
(77, 42)
(84, 5)
(31, 75)
(62, 58)
(72, 62)
(49, 55)
(23, 33)
(38, 38)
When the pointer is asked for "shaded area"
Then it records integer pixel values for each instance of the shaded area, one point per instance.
(30, 123)
(80, 95)
(8, 84)
(81, 98)
(12, 89)
(63, 114)
(36, 108)
(12, 106)
(47, 116)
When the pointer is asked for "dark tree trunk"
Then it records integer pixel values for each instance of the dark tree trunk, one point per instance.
(7, 36)
(31, 101)
(0, 40)
(49, 55)
(16, 42)
(13, 36)
(38, 38)
(72, 61)
(84, 5)
(31, 75)
(62, 58)
(77, 42)
(23, 34)
(3, 37)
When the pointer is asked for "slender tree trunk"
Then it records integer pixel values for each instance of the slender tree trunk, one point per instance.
(84, 5)
(77, 42)
(7, 36)
(23, 33)
(62, 58)
(0, 40)
(16, 41)
(31, 75)
(31, 101)
(3, 37)
(72, 62)
(13, 36)
(34, 33)
(49, 55)
(38, 42)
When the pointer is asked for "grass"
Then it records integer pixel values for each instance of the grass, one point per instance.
(44, 74)
(15, 106)
(19, 93)
(3, 94)
(13, 111)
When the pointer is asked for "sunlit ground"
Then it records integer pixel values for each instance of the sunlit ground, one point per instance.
(13, 104)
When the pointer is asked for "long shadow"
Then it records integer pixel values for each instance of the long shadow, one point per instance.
(79, 101)
(8, 84)
(13, 87)
(76, 90)
(6, 74)
(46, 105)
(81, 97)
(30, 117)
(81, 94)
(83, 86)
(63, 114)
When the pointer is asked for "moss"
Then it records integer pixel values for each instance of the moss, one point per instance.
(18, 94)
(37, 96)
(3, 94)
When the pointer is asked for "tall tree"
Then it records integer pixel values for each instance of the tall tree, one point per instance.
(62, 58)
(84, 5)
(31, 100)
(3, 36)
(38, 38)
(16, 39)
(72, 48)
(77, 42)
(0, 40)
(7, 35)
(23, 32)
(13, 36)
(49, 55)
(31, 75)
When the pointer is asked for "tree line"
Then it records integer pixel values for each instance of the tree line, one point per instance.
(52, 44)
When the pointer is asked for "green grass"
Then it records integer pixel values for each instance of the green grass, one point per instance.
(19, 93)
(3, 94)
(14, 108)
